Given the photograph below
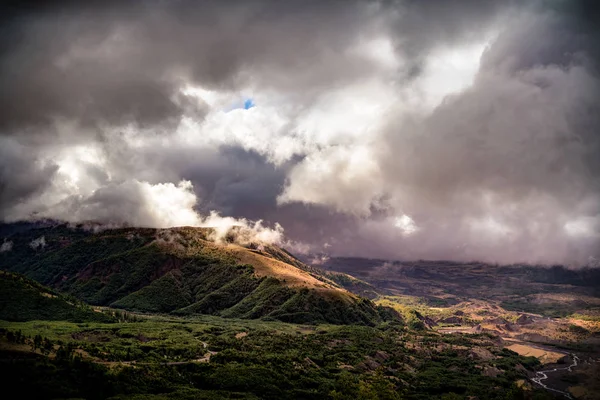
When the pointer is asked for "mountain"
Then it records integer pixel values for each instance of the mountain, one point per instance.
(545, 304)
(529, 287)
(182, 271)
(22, 299)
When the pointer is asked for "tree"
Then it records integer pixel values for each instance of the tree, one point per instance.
(37, 342)
(47, 346)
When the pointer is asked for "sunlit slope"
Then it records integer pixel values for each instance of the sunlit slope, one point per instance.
(184, 271)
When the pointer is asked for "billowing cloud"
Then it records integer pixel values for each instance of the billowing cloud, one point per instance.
(438, 129)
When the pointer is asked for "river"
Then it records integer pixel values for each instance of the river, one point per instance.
(543, 375)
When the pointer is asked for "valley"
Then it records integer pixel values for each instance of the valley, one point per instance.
(158, 357)
(135, 313)
(551, 313)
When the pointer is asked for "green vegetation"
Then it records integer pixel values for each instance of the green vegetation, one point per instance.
(178, 317)
(213, 358)
(22, 299)
(408, 305)
(179, 272)
(591, 316)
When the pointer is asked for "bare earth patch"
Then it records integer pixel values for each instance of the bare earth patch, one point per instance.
(545, 356)
(265, 266)
(241, 335)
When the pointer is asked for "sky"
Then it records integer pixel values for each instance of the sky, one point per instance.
(463, 130)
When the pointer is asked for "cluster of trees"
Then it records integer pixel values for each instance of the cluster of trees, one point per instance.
(60, 350)
(123, 316)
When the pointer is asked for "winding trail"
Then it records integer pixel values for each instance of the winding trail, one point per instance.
(204, 359)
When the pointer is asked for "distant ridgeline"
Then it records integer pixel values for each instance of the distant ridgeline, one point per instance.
(182, 271)
(442, 270)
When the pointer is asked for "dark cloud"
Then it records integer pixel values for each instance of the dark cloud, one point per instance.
(518, 151)
(22, 175)
(548, 38)
(77, 64)
(239, 183)
(420, 26)
(505, 168)
(126, 62)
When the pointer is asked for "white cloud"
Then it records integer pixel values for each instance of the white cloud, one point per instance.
(345, 178)
(38, 243)
(406, 224)
(448, 70)
(583, 227)
(6, 246)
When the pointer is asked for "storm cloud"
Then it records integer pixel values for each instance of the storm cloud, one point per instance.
(390, 129)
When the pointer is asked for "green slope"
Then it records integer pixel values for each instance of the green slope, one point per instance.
(22, 299)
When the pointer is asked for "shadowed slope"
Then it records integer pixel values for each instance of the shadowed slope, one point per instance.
(22, 299)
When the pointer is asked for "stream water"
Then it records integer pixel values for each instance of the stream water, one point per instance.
(543, 375)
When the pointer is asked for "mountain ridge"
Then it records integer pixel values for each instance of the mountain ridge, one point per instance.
(183, 270)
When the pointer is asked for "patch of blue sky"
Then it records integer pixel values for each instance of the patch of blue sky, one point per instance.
(246, 104)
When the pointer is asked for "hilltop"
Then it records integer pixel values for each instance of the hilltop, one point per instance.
(183, 271)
